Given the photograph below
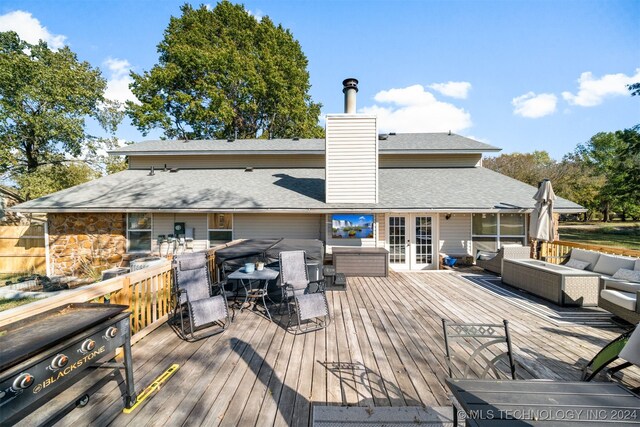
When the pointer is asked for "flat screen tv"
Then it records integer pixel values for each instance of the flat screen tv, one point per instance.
(351, 226)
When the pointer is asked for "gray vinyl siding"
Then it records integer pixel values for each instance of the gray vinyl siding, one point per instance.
(265, 226)
(351, 159)
(430, 160)
(227, 161)
(214, 161)
(455, 234)
(163, 224)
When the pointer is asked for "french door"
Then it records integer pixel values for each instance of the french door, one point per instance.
(410, 238)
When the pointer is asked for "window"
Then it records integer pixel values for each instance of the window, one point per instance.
(490, 231)
(220, 228)
(139, 232)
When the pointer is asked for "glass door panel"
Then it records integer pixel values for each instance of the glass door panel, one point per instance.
(423, 241)
(397, 239)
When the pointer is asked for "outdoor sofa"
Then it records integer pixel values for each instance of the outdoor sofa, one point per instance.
(492, 261)
(619, 291)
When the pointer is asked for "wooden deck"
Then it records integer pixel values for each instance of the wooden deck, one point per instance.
(383, 348)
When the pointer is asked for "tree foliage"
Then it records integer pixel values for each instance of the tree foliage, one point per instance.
(222, 73)
(602, 174)
(53, 177)
(567, 176)
(614, 157)
(45, 98)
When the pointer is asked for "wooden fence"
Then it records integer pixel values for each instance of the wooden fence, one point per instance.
(147, 292)
(554, 252)
(22, 249)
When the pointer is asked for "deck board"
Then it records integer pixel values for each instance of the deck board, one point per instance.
(384, 347)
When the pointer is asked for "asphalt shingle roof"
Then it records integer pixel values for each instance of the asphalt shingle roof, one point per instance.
(412, 142)
(289, 189)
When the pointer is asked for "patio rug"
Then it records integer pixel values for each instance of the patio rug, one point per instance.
(559, 316)
(359, 416)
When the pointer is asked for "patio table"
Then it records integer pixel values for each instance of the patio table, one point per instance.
(544, 403)
(248, 279)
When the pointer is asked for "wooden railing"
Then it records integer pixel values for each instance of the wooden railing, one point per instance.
(147, 292)
(554, 252)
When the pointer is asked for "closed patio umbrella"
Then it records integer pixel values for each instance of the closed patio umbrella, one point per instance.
(541, 224)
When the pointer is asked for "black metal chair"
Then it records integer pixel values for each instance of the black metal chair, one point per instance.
(485, 350)
(477, 350)
(198, 303)
(309, 298)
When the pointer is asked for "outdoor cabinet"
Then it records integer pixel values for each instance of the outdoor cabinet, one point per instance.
(365, 262)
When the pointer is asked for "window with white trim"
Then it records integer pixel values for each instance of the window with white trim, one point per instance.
(490, 230)
(220, 228)
(139, 226)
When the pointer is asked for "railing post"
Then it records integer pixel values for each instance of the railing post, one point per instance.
(125, 293)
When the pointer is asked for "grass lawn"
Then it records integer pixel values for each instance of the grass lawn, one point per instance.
(6, 304)
(619, 234)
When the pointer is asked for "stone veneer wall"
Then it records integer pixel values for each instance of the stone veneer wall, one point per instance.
(74, 238)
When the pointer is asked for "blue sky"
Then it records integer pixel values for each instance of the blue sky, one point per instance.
(520, 75)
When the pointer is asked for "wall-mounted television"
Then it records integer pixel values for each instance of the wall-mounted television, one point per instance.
(351, 226)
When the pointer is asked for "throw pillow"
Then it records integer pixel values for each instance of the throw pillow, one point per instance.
(578, 265)
(626, 274)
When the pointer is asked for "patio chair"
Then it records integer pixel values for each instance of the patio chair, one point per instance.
(482, 350)
(486, 350)
(492, 261)
(309, 298)
(202, 303)
(625, 347)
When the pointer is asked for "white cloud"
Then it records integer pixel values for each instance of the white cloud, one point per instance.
(453, 89)
(29, 29)
(534, 106)
(413, 109)
(592, 91)
(258, 14)
(119, 80)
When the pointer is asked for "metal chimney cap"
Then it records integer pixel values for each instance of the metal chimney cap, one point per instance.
(349, 83)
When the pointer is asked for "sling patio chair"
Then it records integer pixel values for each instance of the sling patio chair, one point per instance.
(625, 347)
(198, 303)
(310, 301)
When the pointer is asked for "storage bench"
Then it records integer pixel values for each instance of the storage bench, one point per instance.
(364, 262)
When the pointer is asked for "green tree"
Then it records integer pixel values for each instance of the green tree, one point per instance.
(221, 73)
(53, 177)
(615, 158)
(45, 98)
(115, 164)
(530, 168)
(572, 178)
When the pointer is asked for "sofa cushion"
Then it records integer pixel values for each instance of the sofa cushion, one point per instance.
(621, 285)
(609, 264)
(587, 256)
(629, 275)
(625, 300)
(577, 264)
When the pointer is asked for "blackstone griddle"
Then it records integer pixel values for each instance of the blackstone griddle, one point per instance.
(44, 354)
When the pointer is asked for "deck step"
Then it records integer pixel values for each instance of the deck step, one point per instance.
(352, 416)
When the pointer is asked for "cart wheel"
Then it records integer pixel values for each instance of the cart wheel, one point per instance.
(83, 401)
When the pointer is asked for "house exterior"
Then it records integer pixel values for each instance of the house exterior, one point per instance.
(417, 195)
